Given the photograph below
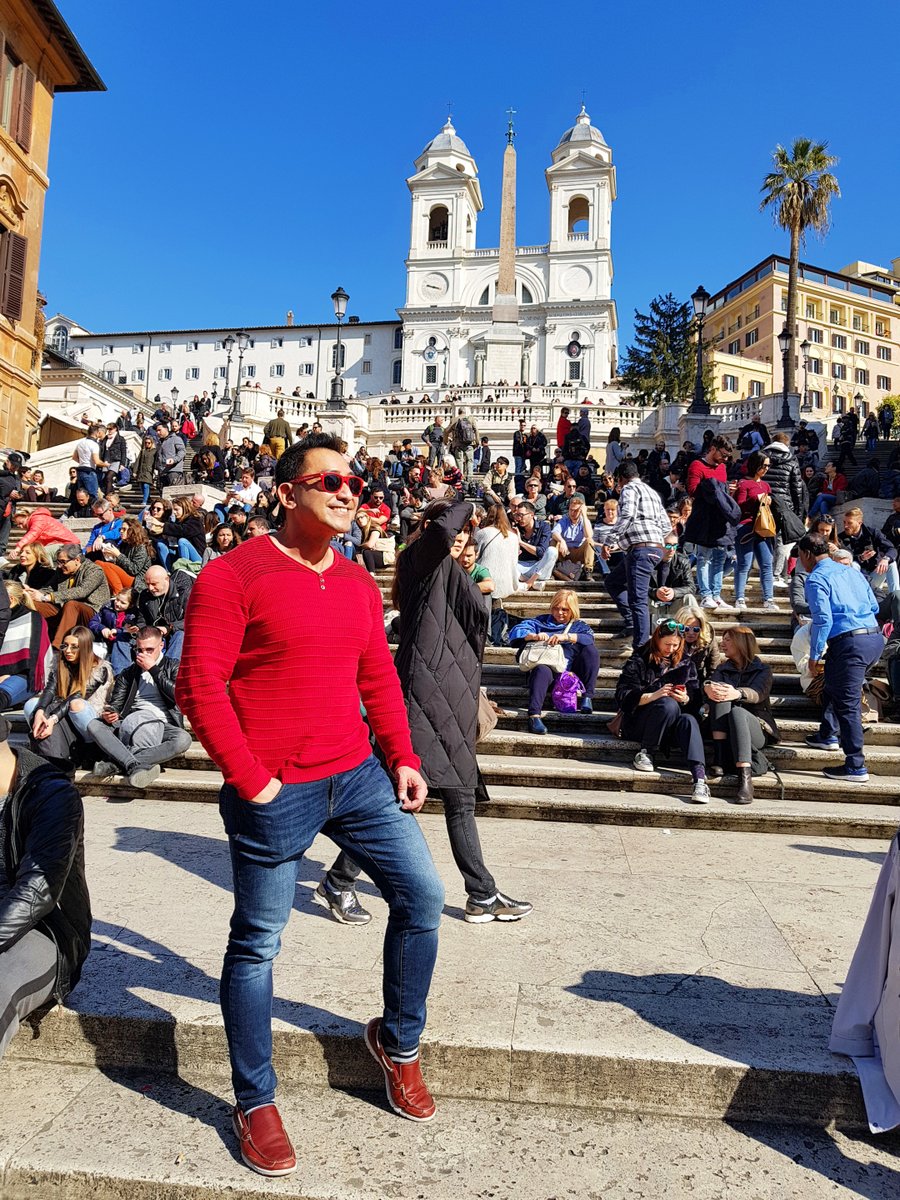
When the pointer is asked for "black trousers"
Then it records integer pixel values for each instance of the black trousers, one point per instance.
(743, 729)
(662, 724)
(459, 812)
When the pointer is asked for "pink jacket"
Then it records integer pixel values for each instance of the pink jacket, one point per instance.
(867, 1021)
(43, 527)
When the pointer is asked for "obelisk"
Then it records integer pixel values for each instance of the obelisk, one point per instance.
(504, 340)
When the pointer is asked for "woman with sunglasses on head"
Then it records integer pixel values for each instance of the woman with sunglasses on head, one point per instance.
(701, 646)
(561, 626)
(748, 543)
(653, 693)
(75, 694)
(740, 714)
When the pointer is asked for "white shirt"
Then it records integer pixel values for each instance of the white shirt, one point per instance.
(249, 494)
(85, 449)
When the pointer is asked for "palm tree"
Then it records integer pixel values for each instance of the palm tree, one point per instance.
(799, 191)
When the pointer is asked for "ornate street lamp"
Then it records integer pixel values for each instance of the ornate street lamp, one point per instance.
(836, 399)
(243, 341)
(804, 350)
(857, 400)
(785, 421)
(339, 299)
(700, 405)
(228, 343)
(174, 395)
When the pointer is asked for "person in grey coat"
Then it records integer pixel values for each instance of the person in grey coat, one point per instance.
(169, 457)
(443, 627)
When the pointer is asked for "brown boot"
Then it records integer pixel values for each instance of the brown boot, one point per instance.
(744, 793)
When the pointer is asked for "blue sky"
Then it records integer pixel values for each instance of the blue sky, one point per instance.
(247, 159)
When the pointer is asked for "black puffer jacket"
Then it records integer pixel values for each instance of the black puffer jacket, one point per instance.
(785, 479)
(44, 839)
(443, 626)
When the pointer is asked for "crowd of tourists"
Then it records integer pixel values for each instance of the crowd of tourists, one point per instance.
(215, 614)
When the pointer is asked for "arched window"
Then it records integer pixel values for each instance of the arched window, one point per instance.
(485, 297)
(397, 373)
(334, 351)
(527, 297)
(579, 214)
(438, 224)
(60, 341)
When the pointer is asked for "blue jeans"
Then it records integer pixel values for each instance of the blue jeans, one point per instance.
(358, 810)
(79, 720)
(746, 550)
(87, 478)
(145, 488)
(168, 554)
(710, 569)
(16, 689)
(640, 563)
(173, 644)
(822, 505)
(120, 654)
(846, 663)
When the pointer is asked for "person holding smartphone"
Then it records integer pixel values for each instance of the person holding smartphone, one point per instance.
(656, 685)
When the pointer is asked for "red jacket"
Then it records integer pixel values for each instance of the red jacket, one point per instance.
(43, 527)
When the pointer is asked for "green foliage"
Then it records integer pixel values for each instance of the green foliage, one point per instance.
(661, 364)
(801, 187)
(894, 403)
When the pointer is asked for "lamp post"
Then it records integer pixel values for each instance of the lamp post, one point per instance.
(857, 400)
(700, 405)
(804, 350)
(228, 343)
(243, 340)
(339, 299)
(785, 421)
(174, 395)
(836, 400)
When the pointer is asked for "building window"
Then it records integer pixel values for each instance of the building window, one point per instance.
(193, 345)
(735, 346)
(729, 383)
(276, 343)
(165, 374)
(165, 347)
(137, 348)
(815, 366)
(815, 399)
(137, 376)
(882, 330)
(837, 403)
(307, 369)
(431, 374)
(751, 338)
(217, 346)
(883, 383)
(396, 372)
(838, 341)
(106, 350)
(334, 351)
(16, 97)
(861, 347)
(194, 373)
(277, 369)
(815, 335)
(575, 370)
(398, 338)
(836, 316)
(438, 225)
(60, 339)
(485, 296)
(367, 339)
(784, 301)
(862, 376)
(883, 353)
(219, 373)
(527, 297)
(755, 389)
(859, 323)
(810, 312)
(366, 367)
(838, 371)
(249, 372)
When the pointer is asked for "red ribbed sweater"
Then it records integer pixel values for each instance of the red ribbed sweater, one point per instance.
(275, 660)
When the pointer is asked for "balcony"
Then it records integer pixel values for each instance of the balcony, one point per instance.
(578, 237)
(436, 245)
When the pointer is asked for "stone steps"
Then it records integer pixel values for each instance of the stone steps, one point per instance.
(151, 1137)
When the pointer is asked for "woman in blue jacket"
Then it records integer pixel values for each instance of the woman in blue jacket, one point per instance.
(561, 626)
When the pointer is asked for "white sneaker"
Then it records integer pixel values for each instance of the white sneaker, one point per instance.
(740, 604)
(709, 603)
(723, 607)
(771, 606)
(782, 583)
(700, 794)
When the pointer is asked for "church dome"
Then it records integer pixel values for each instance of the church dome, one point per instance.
(582, 135)
(447, 142)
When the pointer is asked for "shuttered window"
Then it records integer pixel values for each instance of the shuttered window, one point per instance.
(16, 96)
(13, 253)
(24, 108)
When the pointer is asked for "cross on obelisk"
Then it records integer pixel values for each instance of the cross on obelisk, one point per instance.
(510, 131)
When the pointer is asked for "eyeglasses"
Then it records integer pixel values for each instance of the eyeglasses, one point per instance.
(332, 482)
(691, 628)
(671, 626)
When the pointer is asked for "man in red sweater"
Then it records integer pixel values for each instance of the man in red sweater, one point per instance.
(283, 637)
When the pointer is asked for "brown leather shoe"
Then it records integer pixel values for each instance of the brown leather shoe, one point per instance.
(265, 1147)
(406, 1091)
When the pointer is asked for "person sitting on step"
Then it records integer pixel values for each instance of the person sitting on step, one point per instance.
(573, 538)
(25, 655)
(654, 689)
(83, 589)
(561, 626)
(141, 727)
(163, 603)
(740, 713)
(701, 646)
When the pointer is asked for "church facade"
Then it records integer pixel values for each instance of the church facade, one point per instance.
(554, 324)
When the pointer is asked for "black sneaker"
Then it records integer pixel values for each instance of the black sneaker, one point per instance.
(501, 908)
(344, 905)
(105, 770)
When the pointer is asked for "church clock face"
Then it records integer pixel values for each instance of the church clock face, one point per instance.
(434, 287)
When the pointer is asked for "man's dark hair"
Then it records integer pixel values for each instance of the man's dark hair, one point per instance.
(528, 507)
(259, 522)
(627, 471)
(722, 443)
(502, 459)
(235, 509)
(290, 465)
(674, 506)
(69, 551)
(812, 543)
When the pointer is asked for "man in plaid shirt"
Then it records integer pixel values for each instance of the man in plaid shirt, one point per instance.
(640, 532)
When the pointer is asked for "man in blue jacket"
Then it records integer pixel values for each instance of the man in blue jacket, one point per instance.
(844, 613)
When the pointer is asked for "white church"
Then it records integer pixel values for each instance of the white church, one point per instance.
(474, 319)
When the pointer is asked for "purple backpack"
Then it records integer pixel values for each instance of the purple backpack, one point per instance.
(566, 692)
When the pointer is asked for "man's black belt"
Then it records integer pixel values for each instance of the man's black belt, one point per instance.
(853, 633)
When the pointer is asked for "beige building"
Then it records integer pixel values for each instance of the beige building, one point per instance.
(849, 319)
(39, 56)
